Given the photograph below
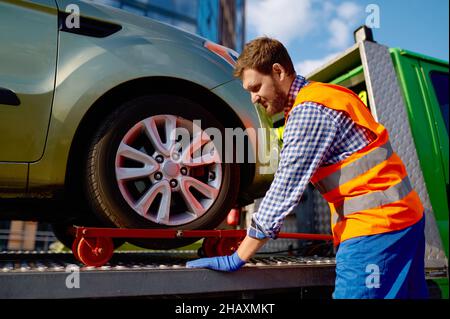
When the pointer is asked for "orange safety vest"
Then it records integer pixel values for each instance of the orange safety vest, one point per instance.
(369, 192)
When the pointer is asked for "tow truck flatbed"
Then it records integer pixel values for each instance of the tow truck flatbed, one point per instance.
(153, 274)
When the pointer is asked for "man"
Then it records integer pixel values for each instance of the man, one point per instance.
(332, 140)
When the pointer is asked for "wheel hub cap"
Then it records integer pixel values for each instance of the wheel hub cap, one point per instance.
(171, 169)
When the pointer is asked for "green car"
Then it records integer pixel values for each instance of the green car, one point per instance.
(87, 104)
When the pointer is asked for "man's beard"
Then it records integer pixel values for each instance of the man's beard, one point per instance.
(278, 104)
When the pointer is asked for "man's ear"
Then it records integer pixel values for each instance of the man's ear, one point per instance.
(279, 71)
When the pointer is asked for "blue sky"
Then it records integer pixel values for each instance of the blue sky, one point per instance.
(314, 31)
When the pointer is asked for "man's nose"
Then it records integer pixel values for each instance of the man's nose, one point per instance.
(255, 98)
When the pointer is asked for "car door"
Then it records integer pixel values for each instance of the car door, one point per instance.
(28, 53)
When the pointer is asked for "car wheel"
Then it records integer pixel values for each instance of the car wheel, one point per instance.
(141, 173)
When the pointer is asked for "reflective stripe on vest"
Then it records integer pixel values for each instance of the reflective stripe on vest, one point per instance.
(354, 169)
(373, 199)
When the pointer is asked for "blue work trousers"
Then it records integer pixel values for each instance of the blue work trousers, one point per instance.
(383, 266)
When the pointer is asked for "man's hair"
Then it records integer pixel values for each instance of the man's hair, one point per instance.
(260, 54)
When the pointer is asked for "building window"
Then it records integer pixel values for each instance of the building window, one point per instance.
(221, 21)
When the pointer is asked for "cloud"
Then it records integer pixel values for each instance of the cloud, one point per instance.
(340, 34)
(349, 11)
(341, 26)
(289, 20)
(285, 20)
(307, 66)
(325, 26)
(328, 8)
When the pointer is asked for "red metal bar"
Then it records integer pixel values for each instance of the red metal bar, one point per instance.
(173, 233)
(154, 233)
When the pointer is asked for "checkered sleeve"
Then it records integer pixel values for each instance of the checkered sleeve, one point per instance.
(308, 135)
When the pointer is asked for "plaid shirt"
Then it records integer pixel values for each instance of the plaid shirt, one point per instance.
(314, 136)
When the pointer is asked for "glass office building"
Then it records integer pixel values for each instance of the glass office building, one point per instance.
(222, 21)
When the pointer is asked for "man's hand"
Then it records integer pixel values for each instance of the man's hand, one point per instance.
(222, 263)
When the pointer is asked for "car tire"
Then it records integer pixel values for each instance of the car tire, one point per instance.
(63, 234)
(196, 202)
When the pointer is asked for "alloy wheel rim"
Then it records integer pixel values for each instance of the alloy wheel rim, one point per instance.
(164, 179)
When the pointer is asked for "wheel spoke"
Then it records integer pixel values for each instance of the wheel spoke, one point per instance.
(164, 207)
(206, 159)
(191, 201)
(144, 203)
(188, 156)
(170, 124)
(134, 154)
(127, 173)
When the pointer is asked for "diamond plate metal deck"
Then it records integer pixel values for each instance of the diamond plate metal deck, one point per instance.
(137, 274)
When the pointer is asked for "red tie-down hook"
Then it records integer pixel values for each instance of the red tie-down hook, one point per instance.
(233, 216)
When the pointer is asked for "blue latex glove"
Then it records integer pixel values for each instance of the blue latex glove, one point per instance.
(222, 263)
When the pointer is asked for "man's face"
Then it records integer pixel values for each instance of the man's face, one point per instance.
(265, 90)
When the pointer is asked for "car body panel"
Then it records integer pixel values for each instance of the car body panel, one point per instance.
(14, 178)
(28, 66)
(136, 46)
(89, 67)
